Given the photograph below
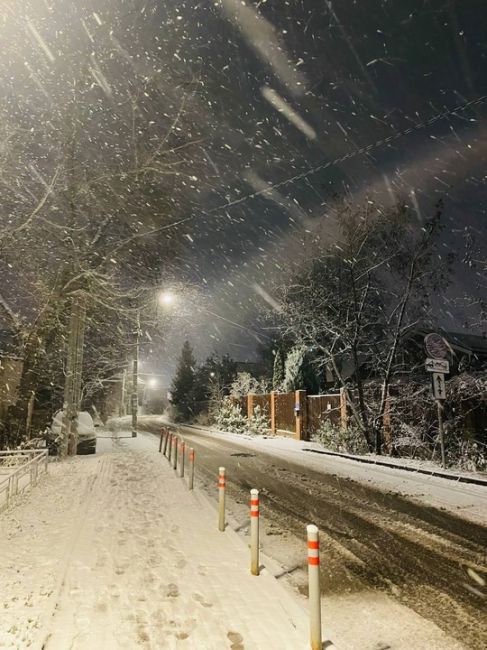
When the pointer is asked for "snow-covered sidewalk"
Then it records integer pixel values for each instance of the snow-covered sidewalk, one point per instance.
(113, 551)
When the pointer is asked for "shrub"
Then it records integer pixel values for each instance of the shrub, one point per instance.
(258, 422)
(350, 440)
(229, 417)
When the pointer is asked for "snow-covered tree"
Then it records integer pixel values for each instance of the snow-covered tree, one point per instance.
(278, 370)
(230, 417)
(258, 422)
(293, 369)
(353, 300)
(184, 387)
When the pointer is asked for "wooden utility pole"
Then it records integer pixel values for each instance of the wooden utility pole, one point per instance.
(72, 385)
(135, 378)
(122, 410)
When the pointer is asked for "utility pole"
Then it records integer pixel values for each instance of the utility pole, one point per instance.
(72, 385)
(121, 409)
(77, 376)
(135, 377)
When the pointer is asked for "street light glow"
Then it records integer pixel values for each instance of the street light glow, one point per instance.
(152, 382)
(166, 298)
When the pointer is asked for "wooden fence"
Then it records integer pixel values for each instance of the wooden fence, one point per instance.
(297, 414)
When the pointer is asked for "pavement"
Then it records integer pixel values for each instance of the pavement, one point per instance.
(113, 551)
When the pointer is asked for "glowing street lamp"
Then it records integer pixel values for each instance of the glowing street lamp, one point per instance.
(166, 298)
(152, 383)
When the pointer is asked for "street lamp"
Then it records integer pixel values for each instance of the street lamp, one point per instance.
(166, 298)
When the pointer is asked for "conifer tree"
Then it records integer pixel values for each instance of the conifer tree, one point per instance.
(278, 374)
(184, 384)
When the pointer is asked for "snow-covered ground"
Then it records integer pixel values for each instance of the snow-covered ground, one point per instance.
(112, 551)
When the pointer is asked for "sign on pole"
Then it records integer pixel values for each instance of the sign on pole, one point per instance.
(439, 389)
(436, 346)
(437, 365)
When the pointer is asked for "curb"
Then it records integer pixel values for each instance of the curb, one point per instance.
(460, 478)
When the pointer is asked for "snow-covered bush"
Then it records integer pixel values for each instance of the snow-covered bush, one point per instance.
(244, 385)
(466, 455)
(408, 442)
(350, 440)
(230, 418)
(258, 422)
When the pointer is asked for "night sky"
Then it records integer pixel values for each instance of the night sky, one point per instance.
(276, 94)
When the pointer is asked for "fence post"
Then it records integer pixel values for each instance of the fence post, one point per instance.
(182, 451)
(191, 468)
(221, 499)
(174, 452)
(301, 412)
(314, 586)
(273, 411)
(254, 532)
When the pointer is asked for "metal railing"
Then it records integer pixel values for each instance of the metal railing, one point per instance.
(20, 470)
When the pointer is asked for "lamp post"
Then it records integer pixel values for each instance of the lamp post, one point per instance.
(135, 377)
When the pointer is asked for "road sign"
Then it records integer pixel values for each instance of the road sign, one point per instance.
(439, 389)
(436, 346)
(437, 365)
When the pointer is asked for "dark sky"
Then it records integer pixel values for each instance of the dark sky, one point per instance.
(357, 73)
(277, 94)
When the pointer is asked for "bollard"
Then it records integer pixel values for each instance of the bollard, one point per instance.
(254, 532)
(160, 441)
(169, 448)
(191, 468)
(221, 499)
(314, 586)
(164, 451)
(182, 450)
(174, 452)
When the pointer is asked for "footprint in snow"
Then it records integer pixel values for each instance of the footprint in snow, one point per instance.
(200, 599)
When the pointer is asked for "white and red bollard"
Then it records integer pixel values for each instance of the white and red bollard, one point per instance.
(254, 532)
(314, 586)
(182, 450)
(169, 447)
(162, 438)
(221, 499)
(174, 452)
(191, 468)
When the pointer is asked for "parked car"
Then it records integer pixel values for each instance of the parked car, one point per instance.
(86, 433)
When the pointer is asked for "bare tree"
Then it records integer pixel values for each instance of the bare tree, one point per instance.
(356, 299)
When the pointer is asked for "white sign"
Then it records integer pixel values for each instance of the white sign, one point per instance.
(437, 365)
(439, 389)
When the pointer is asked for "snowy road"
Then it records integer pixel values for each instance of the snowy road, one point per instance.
(374, 540)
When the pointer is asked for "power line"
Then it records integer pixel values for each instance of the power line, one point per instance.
(356, 152)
